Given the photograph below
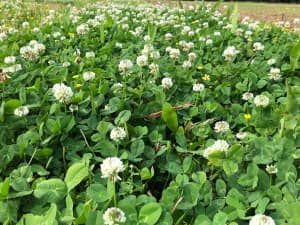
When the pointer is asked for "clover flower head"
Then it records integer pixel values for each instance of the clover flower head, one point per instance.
(111, 167)
(62, 92)
(117, 134)
(261, 220)
(221, 126)
(21, 111)
(114, 216)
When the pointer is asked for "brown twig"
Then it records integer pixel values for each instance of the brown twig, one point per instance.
(158, 114)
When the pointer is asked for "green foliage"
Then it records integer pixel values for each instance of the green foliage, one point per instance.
(177, 166)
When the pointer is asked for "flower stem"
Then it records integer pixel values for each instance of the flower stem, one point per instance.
(115, 194)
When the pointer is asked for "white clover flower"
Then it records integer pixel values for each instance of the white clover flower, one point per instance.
(168, 36)
(198, 87)
(287, 24)
(114, 216)
(241, 135)
(218, 146)
(155, 55)
(230, 52)
(39, 48)
(36, 30)
(142, 60)
(82, 29)
(88, 75)
(271, 169)
(208, 42)
(66, 64)
(257, 46)
(221, 126)
(261, 100)
(192, 56)
(21, 111)
(166, 83)
(274, 74)
(187, 64)
(90, 55)
(205, 24)
(3, 36)
(239, 31)
(147, 38)
(119, 45)
(153, 68)
(51, 62)
(32, 51)
(174, 53)
(117, 134)
(271, 61)
(296, 21)
(111, 167)
(62, 93)
(261, 220)
(125, 66)
(116, 88)
(56, 34)
(125, 26)
(73, 108)
(248, 34)
(10, 59)
(12, 69)
(247, 96)
(148, 48)
(25, 24)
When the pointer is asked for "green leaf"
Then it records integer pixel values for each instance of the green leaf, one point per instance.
(235, 153)
(4, 188)
(98, 193)
(294, 55)
(262, 205)
(75, 174)
(152, 31)
(187, 163)
(52, 190)
(180, 137)
(190, 195)
(220, 218)
(146, 174)
(169, 116)
(221, 187)
(136, 149)
(234, 18)
(47, 219)
(123, 117)
(150, 213)
(2, 111)
(202, 220)
(102, 35)
(11, 105)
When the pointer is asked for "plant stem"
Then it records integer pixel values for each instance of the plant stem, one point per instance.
(32, 157)
(115, 194)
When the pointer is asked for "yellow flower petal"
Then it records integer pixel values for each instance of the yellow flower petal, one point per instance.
(78, 85)
(206, 77)
(75, 76)
(247, 116)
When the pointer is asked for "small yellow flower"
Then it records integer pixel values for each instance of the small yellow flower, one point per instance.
(71, 34)
(200, 68)
(194, 22)
(206, 77)
(75, 76)
(78, 85)
(247, 116)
